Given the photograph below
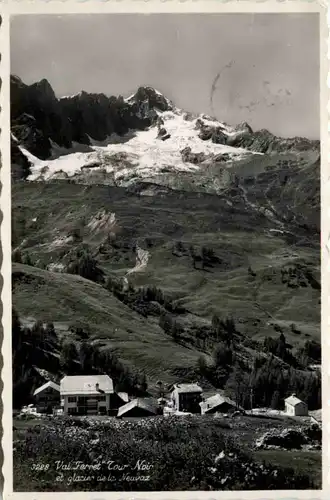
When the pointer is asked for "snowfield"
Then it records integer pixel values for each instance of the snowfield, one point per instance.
(139, 154)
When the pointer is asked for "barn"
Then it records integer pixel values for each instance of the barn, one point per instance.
(47, 397)
(218, 404)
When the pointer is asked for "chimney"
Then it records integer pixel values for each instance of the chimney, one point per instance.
(97, 386)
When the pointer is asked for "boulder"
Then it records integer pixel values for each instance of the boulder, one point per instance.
(205, 131)
(163, 134)
(218, 136)
(189, 157)
(288, 439)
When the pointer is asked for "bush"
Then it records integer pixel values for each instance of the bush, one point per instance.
(182, 454)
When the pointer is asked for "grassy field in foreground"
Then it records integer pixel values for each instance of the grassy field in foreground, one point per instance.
(181, 453)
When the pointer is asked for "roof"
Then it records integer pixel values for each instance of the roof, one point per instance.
(187, 388)
(123, 396)
(317, 415)
(218, 400)
(294, 401)
(51, 384)
(145, 404)
(86, 384)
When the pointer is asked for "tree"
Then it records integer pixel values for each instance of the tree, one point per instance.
(192, 255)
(222, 356)
(176, 330)
(27, 260)
(166, 322)
(159, 383)
(202, 366)
(38, 334)
(208, 256)
(276, 400)
(178, 248)
(16, 256)
(143, 382)
(86, 353)
(86, 266)
(312, 350)
(238, 386)
(251, 272)
(125, 381)
(83, 332)
(69, 357)
(16, 332)
(50, 332)
(215, 321)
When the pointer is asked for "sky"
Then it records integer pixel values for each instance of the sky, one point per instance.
(259, 68)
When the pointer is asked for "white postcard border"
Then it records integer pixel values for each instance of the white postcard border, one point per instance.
(15, 7)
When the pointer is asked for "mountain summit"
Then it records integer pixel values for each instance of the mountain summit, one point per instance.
(117, 140)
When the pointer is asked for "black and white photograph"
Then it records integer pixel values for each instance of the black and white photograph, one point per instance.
(165, 248)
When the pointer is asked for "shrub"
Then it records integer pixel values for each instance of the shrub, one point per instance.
(184, 454)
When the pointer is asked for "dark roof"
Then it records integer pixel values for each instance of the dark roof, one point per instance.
(217, 400)
(144, 403)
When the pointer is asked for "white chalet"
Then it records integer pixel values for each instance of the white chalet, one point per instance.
(86, 394)
(295, 407)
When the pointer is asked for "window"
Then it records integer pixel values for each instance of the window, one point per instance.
(72, 399)
(102, 398)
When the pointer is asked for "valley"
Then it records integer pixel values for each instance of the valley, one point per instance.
(151, 243)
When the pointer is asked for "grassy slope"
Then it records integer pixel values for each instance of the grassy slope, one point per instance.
(64, 298)
(240, 237)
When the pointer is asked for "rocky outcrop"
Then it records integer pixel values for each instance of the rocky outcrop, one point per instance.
(291, 439)
(261, 141)
(188, 156)
(210, 132)
(38, 118)
(163, 134)
(155, 99)
(26, 131)
(20, 167)
(218, 136)
(264, 141)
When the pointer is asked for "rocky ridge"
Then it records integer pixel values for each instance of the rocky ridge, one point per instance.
(38, 117)
(41, 124)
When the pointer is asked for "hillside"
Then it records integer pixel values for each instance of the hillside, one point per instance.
(111, 323)
(196, 234)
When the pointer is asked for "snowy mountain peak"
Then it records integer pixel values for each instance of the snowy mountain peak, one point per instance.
(111, 140)
(154, 98)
